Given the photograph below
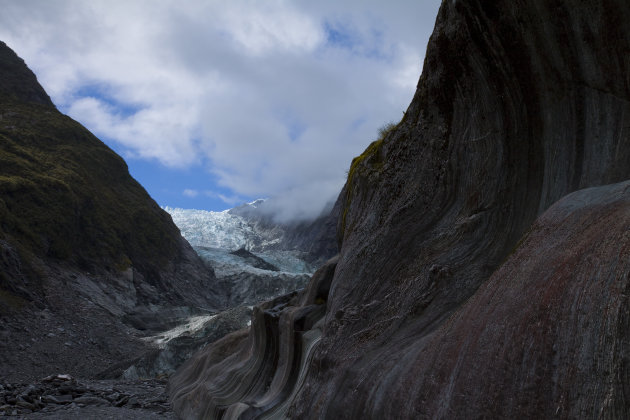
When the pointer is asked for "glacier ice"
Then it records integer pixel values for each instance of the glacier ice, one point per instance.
(214, 234)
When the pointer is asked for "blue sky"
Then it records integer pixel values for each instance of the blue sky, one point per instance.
(214, 103)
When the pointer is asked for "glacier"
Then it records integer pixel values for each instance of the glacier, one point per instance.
(214, 235)
(214, 229)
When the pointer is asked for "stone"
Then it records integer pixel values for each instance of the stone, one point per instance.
(462, 290)
(57, 399)
(25, 404)
(91, 400)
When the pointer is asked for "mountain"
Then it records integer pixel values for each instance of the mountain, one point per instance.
(252, 226)
(82, 244)
(254, 256)
(466, 285)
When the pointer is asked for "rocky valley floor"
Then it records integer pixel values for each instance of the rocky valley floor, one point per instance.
(43, 350)
(71, 355)
(63, 397)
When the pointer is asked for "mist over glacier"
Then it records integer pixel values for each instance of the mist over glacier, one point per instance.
(253, 227)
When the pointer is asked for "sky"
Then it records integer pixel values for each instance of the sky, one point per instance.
(216, 103)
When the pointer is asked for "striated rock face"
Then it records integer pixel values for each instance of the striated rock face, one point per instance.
(546, 336)
(519, 104)
(264, 366)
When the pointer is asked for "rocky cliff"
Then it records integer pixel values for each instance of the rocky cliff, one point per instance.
(81, 242)
(448, 299)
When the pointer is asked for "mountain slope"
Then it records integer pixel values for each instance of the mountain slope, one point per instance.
(519, 104)
(75, 228)
(66, 197)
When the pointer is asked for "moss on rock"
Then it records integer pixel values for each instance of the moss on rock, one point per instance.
(369, 161)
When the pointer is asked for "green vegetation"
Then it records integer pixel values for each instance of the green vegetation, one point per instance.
(65, 195)
(372, 156)
(373, 150)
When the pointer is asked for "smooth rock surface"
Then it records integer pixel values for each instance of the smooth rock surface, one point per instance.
(263, 365)
(520, 103)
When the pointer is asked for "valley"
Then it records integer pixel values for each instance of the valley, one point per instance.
(476, 263)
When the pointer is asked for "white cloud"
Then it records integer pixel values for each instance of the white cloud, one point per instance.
(231, 200)
(273, 97)
(190, 193)
(271, 26)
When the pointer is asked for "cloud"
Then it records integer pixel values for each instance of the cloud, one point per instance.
(274, 98)
(190, 193)
(231, 200)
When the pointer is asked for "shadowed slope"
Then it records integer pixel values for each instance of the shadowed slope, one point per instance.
(85, 253)
(547, 335)
(67, 198)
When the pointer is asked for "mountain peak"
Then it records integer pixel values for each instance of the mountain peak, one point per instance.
(17, 81)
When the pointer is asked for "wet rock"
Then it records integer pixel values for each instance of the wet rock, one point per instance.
(279, 335)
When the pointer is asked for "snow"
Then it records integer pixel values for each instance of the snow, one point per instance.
(194, 324)
(213, 229)
(214, 234)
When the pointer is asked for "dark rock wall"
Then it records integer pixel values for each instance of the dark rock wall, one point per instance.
(519, 104)
(263, 365)
(547, 336)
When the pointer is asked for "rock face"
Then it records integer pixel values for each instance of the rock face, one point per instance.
(264, 367)
(519, 104)
(81, 242)
(546, 336)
